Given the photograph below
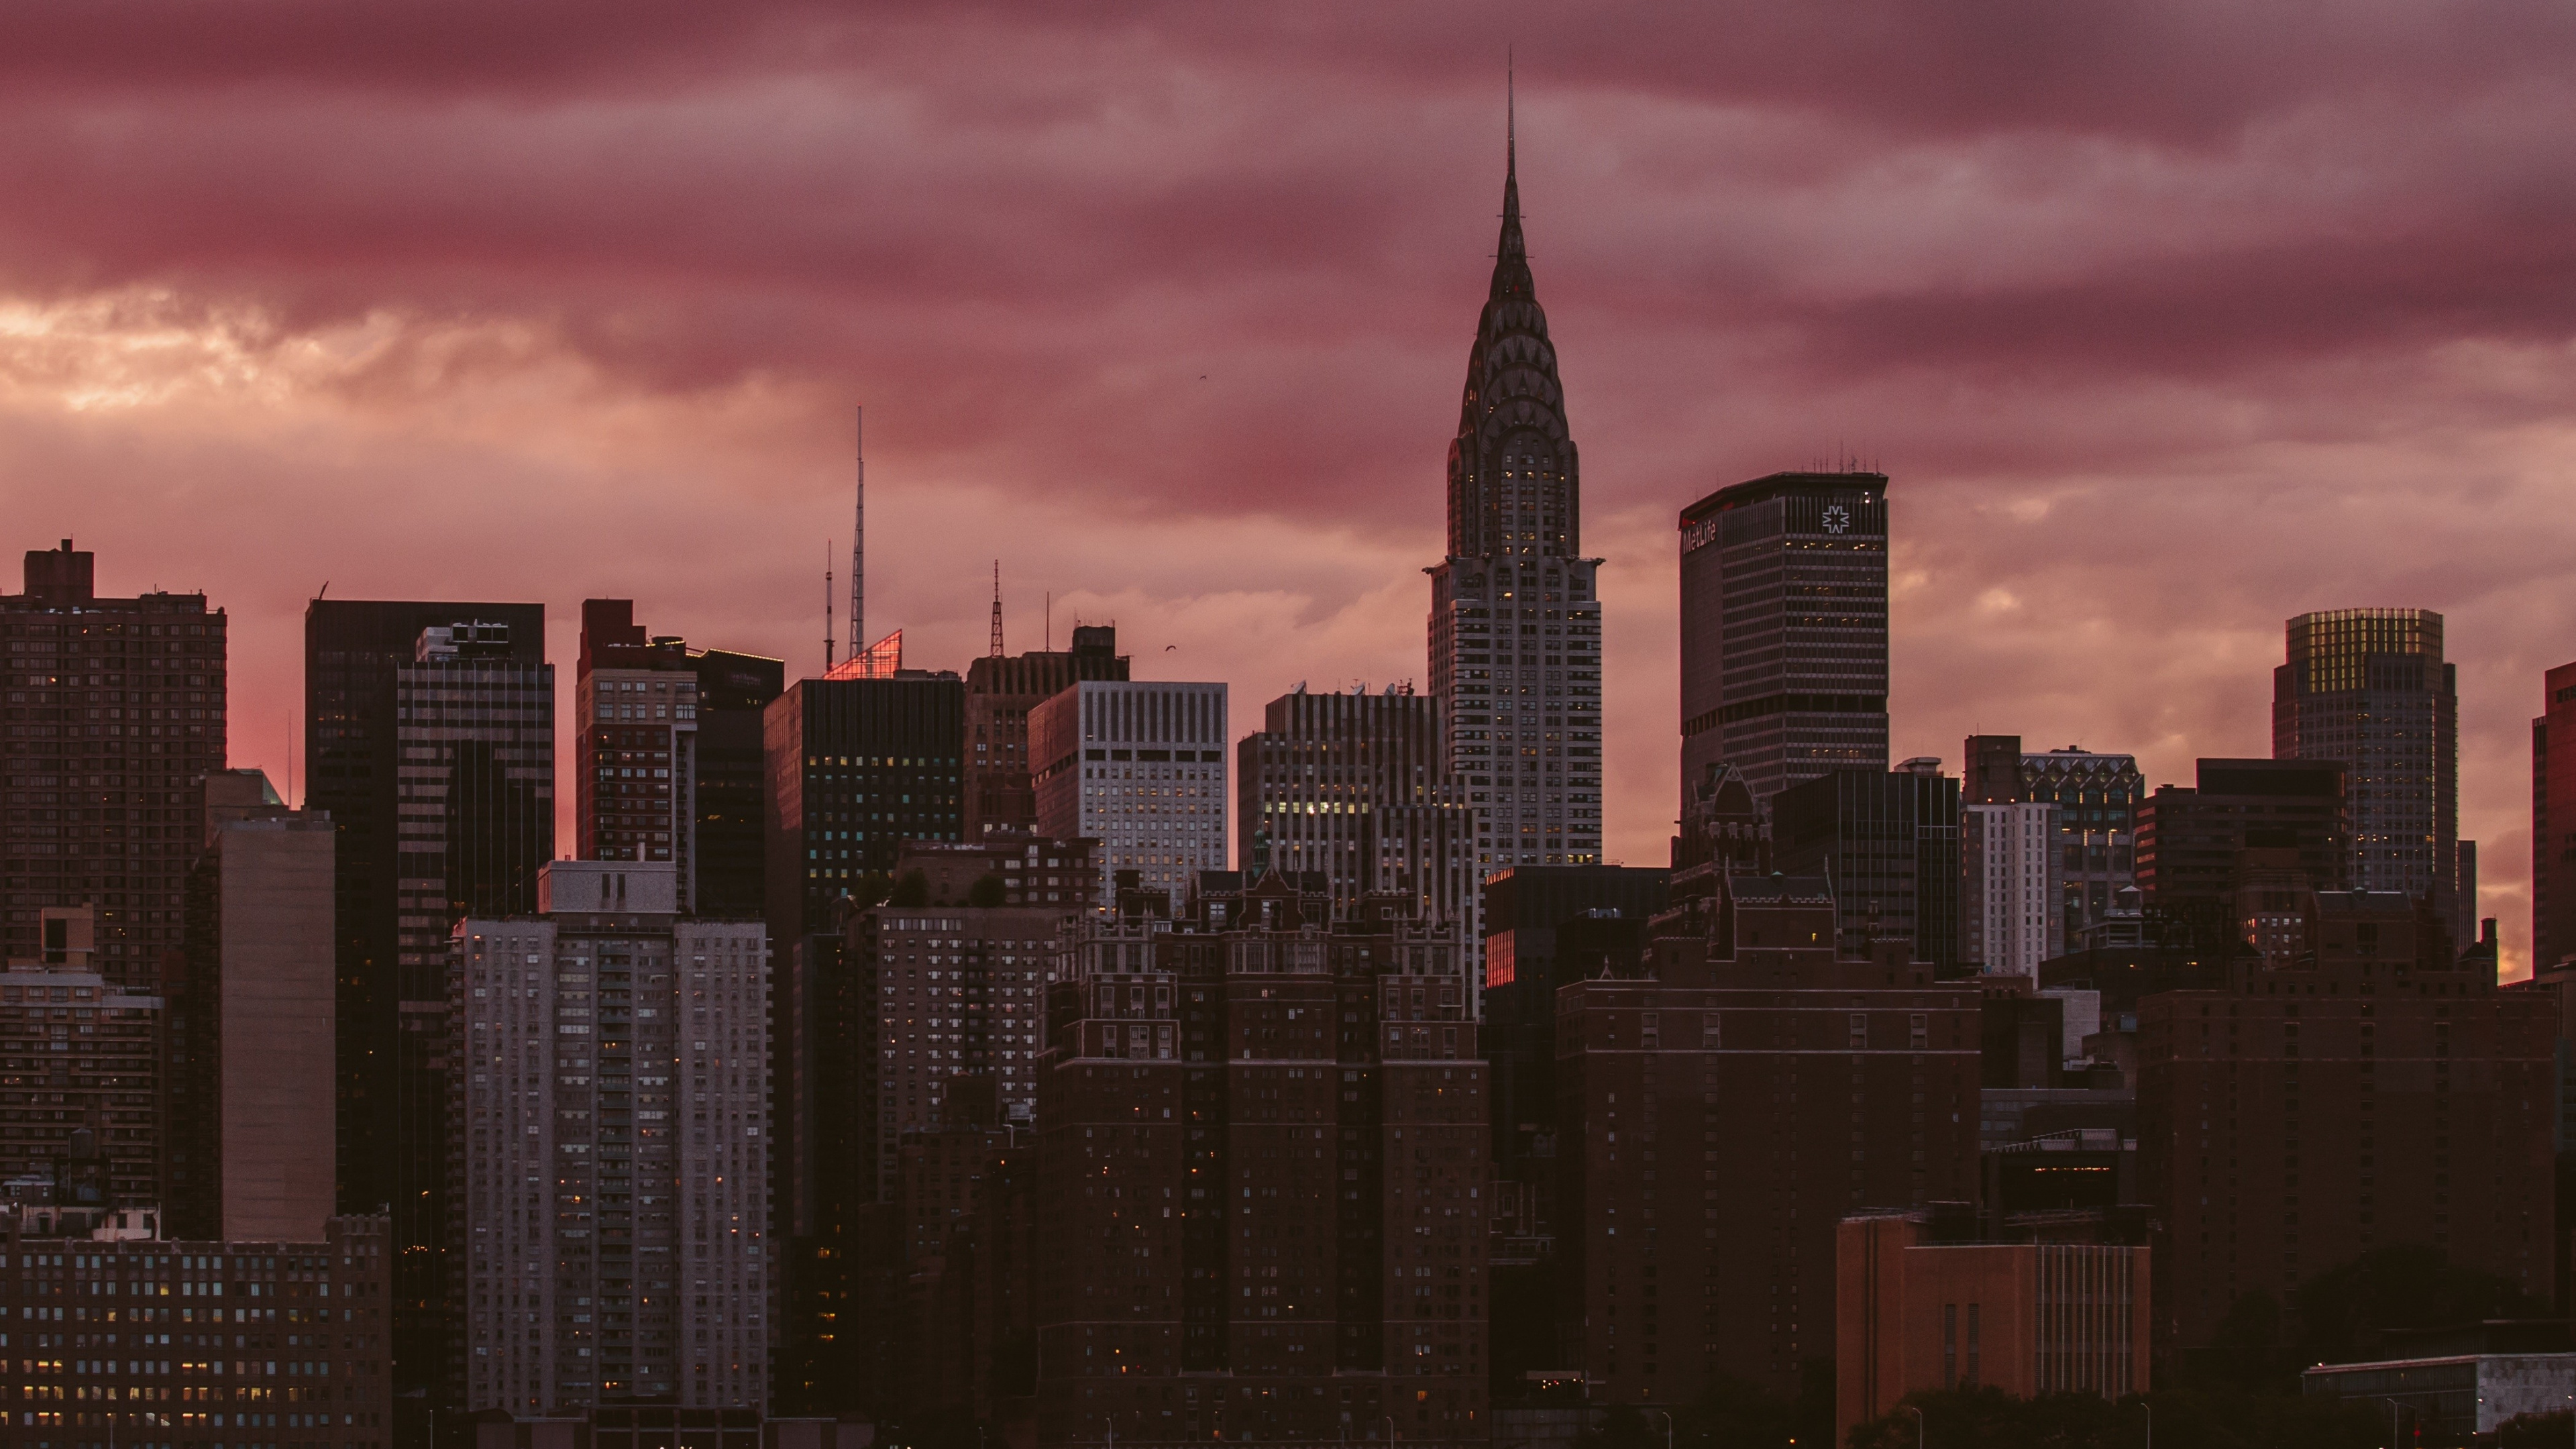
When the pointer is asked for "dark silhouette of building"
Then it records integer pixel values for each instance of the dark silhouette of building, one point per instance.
(1515, 619)
(1547, 925)
(2096, 797)
(1889, 843)
(857, 767)
(1356, 788)
(485, 823)
(1261, 1157)
(2553, 821)
(1723, 825)
(964, 1329)
(2368, 689)
(1000, 692)
(2190, 841)
(115, 804)
(2373, 1094)
(734, 691)
(1784, 629)
(1723, 1112)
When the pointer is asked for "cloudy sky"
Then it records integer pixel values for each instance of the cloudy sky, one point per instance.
(2167, 320)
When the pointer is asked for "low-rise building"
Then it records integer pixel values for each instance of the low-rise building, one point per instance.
(123, 1336)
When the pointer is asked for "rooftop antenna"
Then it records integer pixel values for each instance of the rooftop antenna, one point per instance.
(1050, 621)
(997, 608)
(827, 606)
(859, 537)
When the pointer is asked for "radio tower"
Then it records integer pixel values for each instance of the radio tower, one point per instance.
(997, 608)
(859, 540)
(827, 606)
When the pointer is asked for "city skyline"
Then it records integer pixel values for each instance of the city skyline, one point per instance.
(1748, 274)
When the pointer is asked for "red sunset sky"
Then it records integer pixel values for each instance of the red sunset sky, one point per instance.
(2167, 319)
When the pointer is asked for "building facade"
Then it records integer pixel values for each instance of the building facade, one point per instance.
(85, 1048)
(2191, 839)
(2376, 1094)
(1355, 787)
(1261, 1155)
(635, 756)
(253, 1121)
(1001, 793)
(612, 1205)
(1785, 1083)
(1888, 841)
(2010, 887)
(1784, 630)
(303, 1354)
(1922, 1311)
(1139, 767)
(1515, 626)
(2368, 689)
(2097, 797)
(734, 691)
(116, 711)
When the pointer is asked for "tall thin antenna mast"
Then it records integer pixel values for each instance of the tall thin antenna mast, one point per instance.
(1050, 621)
(859, 538)
(997, 608)
(827, 606)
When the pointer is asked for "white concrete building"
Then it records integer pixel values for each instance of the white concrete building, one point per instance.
(1140, 767)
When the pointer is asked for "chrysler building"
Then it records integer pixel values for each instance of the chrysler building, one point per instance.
(1515, 623)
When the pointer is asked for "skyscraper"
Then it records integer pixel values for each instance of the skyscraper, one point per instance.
(1784, 630)
(252, 1120)
(2368, 688)
(1515, 621)
(351, 754)
(856, 767)
(116, 709)
(734, 690)
(635, 757)
(2191, 839)
(1140, 767)
(2010, 887)
(99, 1103)
(1356, 788)
(473, 728)
(611, 1078)
(1888, 841)
(2553, 821)
(1000, 692)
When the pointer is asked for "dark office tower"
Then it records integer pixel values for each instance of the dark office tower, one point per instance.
(2375, 1093)
(1356, 788)
(473, 729)
(2097, 798)
(351, 649)
(1545, 925)
(2367, 688)
(1515, 621)
(116, 713)
(1785, 1084)
(1261, 1142)
(1889, 843)
(857, 767)
(1784, 629)
(2553, 821)
(734, 690)
(1000, 692)
(2190, 840)
(635, 757)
